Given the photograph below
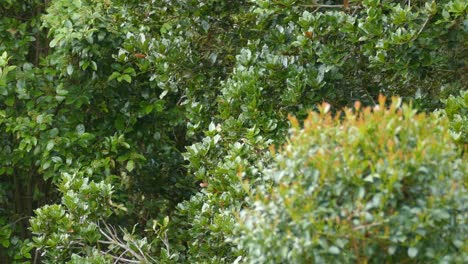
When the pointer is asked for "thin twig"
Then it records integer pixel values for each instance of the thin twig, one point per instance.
(139, 249)
(330, 6)
(124, 259)
(369, 225)
(324, 6)
(19, 219)
(105, 242)
(120, 257)
(166, 242)
(36, 255)
(114, 240)
(141, 252)
(420, 30)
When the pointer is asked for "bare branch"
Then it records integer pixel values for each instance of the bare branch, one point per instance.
(121, 258)
(113, 240)
(331, 6)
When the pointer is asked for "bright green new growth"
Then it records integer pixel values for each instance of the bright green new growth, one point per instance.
(367, 185)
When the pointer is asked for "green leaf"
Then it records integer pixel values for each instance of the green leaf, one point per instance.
(130, 71)
(163, 94)
(50, 145)
(166, 27)
(334, 250)
(130, 165)
(6, 243)
(114, 75)
(70, 69)
(412, 252)
(80, 129)
(391, 250)
(46, 165)
(126, 78)
(10, 101)
(53, 42)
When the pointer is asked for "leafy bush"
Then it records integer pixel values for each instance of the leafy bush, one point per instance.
(298, 56)
(316, 52)
(365, 185)
(457, 112)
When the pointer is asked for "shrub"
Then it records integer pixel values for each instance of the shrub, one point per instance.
(364, 185)
(457, 112)
(296, 56)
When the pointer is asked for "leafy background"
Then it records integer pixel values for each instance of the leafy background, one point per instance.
(146, 130)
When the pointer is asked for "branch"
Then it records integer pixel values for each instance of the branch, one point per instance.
(421, 29)
(36, 256)
(121, 258)
(19, 220)
(113, 239)
(368, 225)
(141, 252)
(331, 6)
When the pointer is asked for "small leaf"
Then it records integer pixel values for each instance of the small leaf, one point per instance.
(130, 71)
(60, 91)
(334, 250)
(46, 165)
(70, 69)
(458, 243)
(126, 78)
(6, 243)
(130, 165)
(53, 43)
(212, 126)
(10, 101)
(412, 252)
(391, 250)
(80, 129)
(216, 138)
(50, 145)
(114, 75)
(57, 159)
(161, 96)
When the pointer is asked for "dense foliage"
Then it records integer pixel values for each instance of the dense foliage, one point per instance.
(381, 185)
(457, 111)
(135, 130)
